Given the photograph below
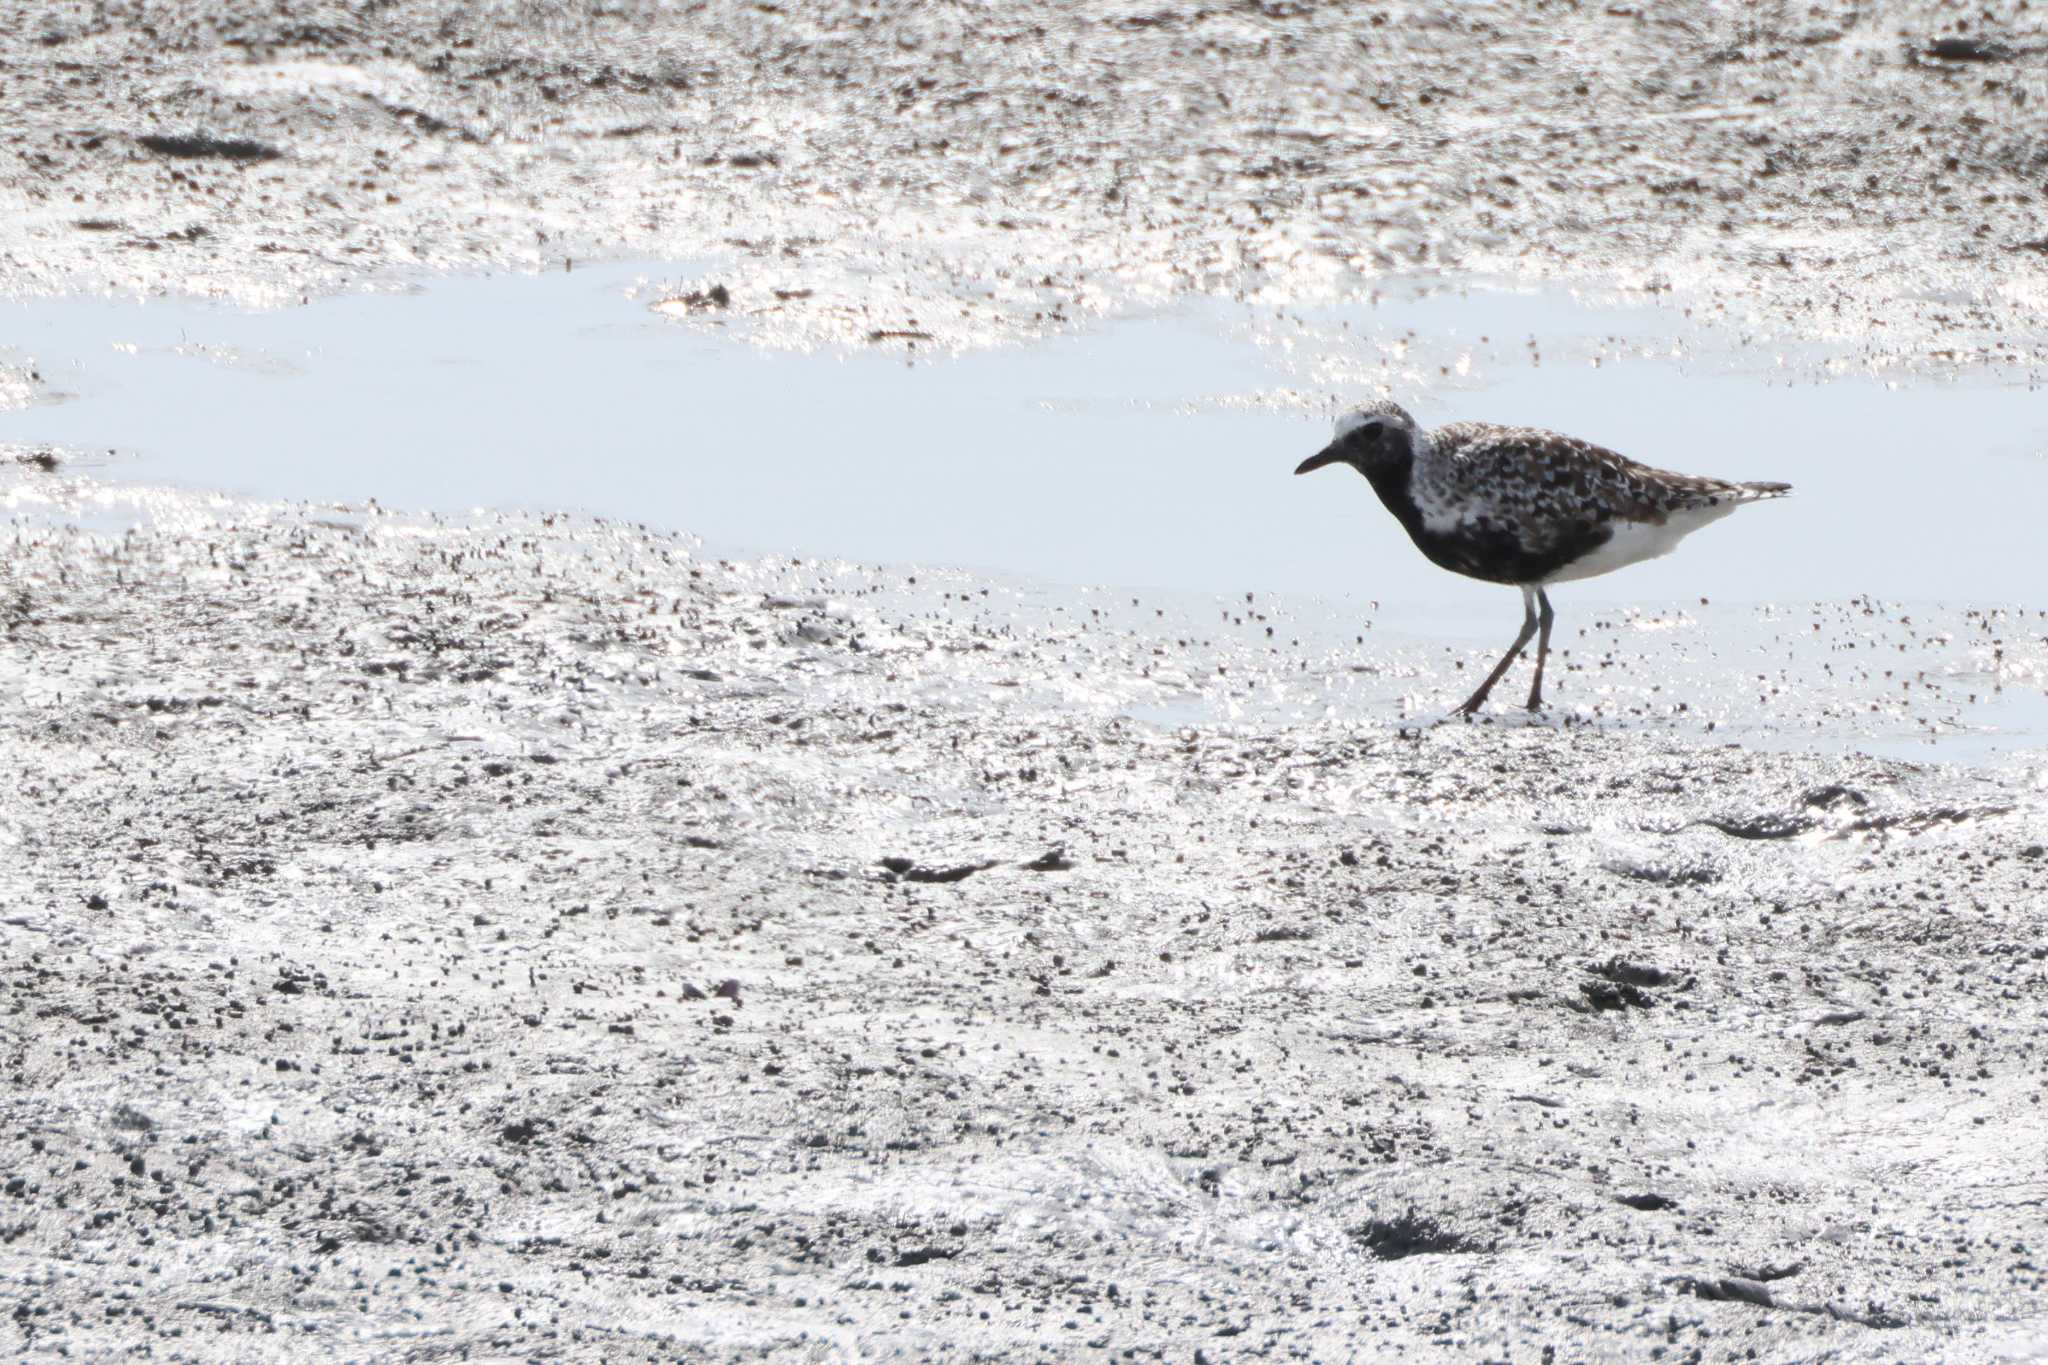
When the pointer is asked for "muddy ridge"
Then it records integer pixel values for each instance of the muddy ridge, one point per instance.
(1875, 181)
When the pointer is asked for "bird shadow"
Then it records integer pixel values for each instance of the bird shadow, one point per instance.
(1516, 718)
(1553, 718)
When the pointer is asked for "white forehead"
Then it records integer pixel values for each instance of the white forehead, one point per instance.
(1381, 411)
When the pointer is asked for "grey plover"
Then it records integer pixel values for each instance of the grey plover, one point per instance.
(1524, 506)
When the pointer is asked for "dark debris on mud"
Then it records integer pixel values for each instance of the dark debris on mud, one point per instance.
(430, 938)
(196, 147)
(1411, 1234)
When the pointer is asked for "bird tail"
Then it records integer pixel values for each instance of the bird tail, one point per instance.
(1765, 490)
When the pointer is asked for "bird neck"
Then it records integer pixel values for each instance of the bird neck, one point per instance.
(1393, 479)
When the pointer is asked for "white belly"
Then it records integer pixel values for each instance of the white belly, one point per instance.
(1635, 541)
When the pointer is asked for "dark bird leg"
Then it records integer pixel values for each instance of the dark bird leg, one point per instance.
(1478, 699)
(1542, 648)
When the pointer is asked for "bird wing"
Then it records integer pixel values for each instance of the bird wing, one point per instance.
(1550, 486)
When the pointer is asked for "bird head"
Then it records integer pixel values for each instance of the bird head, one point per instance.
(1377, 436)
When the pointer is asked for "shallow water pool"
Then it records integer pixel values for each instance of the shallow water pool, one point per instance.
(1151, 454)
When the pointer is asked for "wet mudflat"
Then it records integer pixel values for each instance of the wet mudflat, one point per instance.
(532, 936)
(1878, 610)
(512, 934)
